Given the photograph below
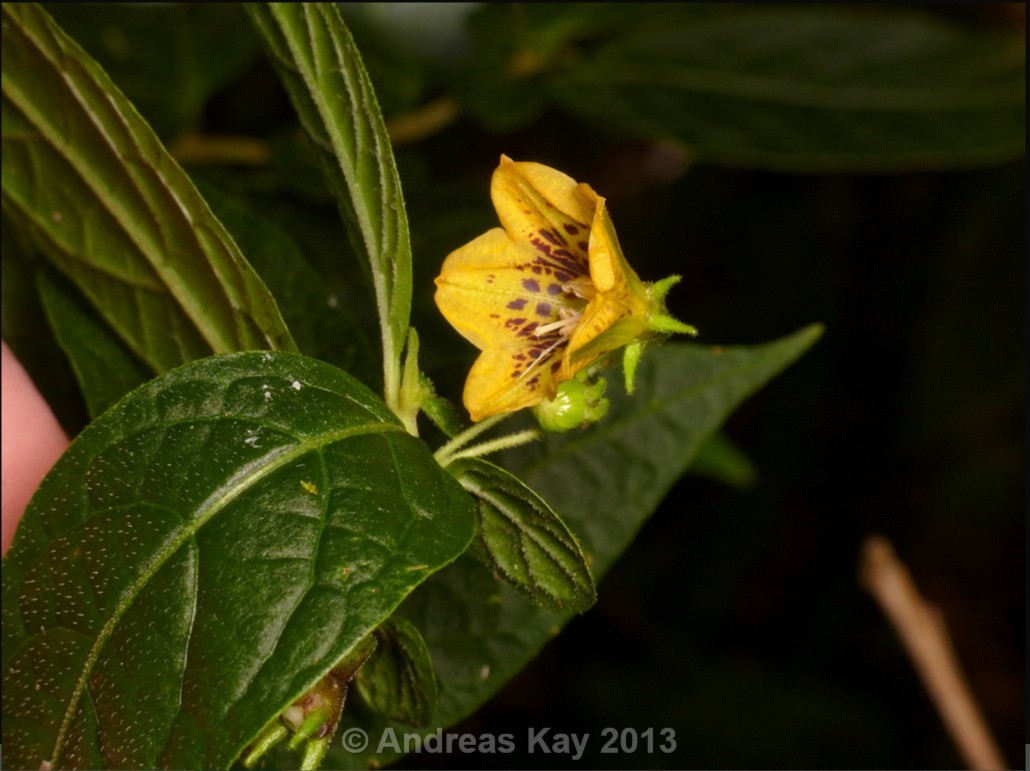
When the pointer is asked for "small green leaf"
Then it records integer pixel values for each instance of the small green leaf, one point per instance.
(203, 554)
(86, 177)
(441, 411)
(398, 681)
(331, 91)
(526, 543)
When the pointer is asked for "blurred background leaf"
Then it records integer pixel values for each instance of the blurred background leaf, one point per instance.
(827, 88)
(168, 58)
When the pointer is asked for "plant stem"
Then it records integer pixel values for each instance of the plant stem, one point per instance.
(444, 454)
(424, 121)
(500, 443)
(314, 751)
(213, 150)
(268, 738)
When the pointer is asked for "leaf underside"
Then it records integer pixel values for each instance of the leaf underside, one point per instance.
(322, 70)
(524, 541)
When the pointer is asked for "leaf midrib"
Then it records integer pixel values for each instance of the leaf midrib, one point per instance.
(218, 500)
(121, 217)
(527, 533)
(385, 282)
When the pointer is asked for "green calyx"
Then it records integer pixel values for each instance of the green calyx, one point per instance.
(658, 318)
(657, 321)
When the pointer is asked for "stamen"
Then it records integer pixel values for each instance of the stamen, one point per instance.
(581, 286)
(563, 325)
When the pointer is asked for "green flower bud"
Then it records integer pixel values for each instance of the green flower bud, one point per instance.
(575, 405)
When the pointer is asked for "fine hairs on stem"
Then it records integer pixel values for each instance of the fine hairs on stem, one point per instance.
(453, 450)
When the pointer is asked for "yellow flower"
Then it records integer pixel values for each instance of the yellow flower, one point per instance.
(547, 294)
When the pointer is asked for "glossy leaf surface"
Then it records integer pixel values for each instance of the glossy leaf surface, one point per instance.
(203, 553)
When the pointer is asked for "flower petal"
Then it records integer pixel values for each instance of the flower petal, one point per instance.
(617, 314)
(608, 266)
(494, 294)
(508, 380)
(544, 208)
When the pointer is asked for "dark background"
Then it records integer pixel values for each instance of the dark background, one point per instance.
(736, 617)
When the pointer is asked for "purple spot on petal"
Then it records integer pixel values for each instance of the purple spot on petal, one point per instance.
(563, 277)
(583, 245)
(549, 236)
(543, 309)
(571, 229)
(517, 305)
(556, 365)
(531, 284)
(554, 289)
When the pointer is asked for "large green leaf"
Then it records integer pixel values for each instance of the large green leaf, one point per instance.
(103, 200)
(332, 93)
(206, 551)
(803, 88)
(604, 482)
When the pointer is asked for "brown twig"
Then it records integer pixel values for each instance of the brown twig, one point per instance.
(925, 637)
